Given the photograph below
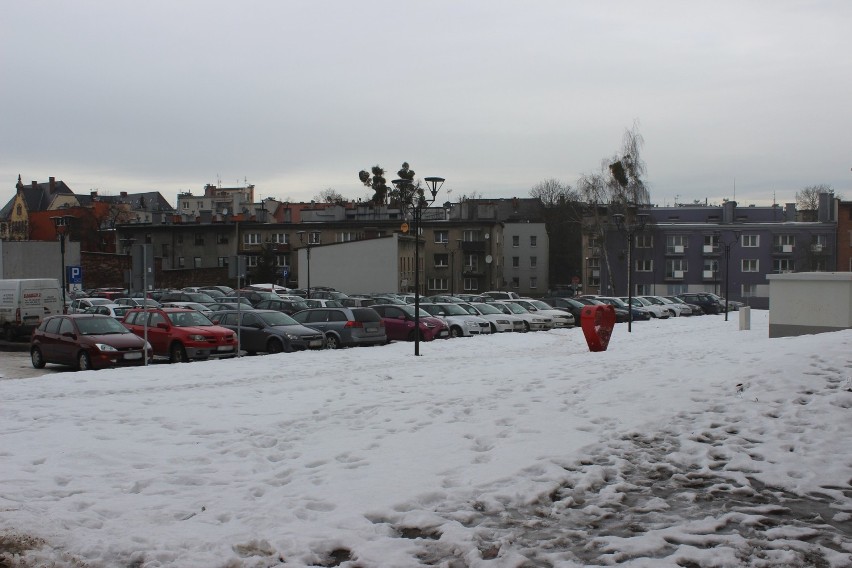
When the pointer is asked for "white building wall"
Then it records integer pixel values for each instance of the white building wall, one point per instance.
(37, 259)
(809, 302)
(355, 267)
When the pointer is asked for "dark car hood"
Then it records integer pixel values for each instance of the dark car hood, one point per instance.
(297, 329)
(118, 340)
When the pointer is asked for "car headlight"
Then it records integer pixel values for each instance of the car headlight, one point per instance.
(105, 347)
(195, 337)
(471, 324)
(503, 322)
(539, 320)
(148, 346)
(291, 336)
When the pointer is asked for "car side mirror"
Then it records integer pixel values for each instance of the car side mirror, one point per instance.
(69, 334)
(162, 325)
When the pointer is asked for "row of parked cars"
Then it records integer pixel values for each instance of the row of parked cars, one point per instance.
(107, 332)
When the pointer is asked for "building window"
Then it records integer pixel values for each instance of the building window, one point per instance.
(196, 262)
(750, 241)
(675, 289)
(750, 265)
(533, 283)
(442, 237)
(644, 241)
(439, 284)
(677, 244)
(282, 260)
(221, 239)
(711, 243)
(748, 290)
(442, 260)
(346, 236)
(471, 284)
(516, 282)
(533, 241)
(281, 238)
(711, 267)
(516, 241)
(471, 263)
(251, 238)
(185, 204)
(181, 262)
(314, 237)
(472, 236)
(780, 265)
(533, 261)
(516, 262)
(199, 240)
(251, 261)
(644, 265)
(643, 290)
(819, 243)
(148, 238)
(222, 262)
(784, 243)
(676, 267)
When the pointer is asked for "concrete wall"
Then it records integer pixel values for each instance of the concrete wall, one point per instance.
(355, 267)
(803, 303)
(36, 259)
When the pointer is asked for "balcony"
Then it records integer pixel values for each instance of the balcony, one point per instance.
(711, 249)
(708, 275)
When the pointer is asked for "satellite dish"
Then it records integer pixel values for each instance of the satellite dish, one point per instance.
(488, 259)
(225, 211)
(487, 236)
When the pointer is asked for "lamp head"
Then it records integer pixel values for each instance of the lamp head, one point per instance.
(434, 184)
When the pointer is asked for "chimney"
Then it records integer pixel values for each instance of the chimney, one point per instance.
(35, 184)
(123, 194)
(790, 211)
(94, 194)
(52, 185)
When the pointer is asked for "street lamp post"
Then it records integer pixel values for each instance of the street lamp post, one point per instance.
(127, 242)
(417, 203)
(308, 243)
(630, 228)
(62, 224)
(726, 245)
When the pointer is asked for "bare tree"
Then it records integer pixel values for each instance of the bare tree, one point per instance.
(552, 192)
(808, 198)
(329, 195)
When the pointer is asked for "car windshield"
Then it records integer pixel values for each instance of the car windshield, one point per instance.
(541, 305)
(675, 299)
(409, 311)
(199, 297)
(486, 309)
(616, 302)
(516, 309)
(277, 318)
(100, 326)
(654, 300)
(189, 319)
(454, 310)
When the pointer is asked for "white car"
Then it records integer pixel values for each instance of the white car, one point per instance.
(532, 322)
(461, 323)
(80, 305)
(500, 322)
(561, 319)
(674, 308)
(658, 312)
(116, 311)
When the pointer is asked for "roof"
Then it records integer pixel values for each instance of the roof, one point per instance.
(37, 196)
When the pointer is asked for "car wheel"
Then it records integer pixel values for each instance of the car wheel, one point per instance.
(332, 341)
(37, 358)
(177, 354)
(455, 331)
(493, 328)
(84, 362)
(274, 346)
(526, 326)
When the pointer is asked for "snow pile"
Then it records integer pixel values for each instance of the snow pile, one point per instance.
(688, 443)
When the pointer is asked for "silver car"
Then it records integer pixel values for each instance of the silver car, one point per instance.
(461, 323)
(345, 327)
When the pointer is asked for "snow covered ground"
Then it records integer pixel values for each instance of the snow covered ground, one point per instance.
(688, 443)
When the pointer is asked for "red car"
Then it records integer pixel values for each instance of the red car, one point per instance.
(182, 334)
(86, 341)
(399, 323)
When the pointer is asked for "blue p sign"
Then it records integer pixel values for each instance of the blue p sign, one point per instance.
(75, 274)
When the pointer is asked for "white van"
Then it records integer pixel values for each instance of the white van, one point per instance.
(25, 302)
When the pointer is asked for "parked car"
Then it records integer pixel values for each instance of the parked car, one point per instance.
(288, 307)
(321, 294)
(639, 314)
(116, 311)
(322, 303)
(655, 310)
(694, 308)
(226, 290)
(86, 341)
(181, 334)
(499, 321)
(224, 306)
(181, 296)
(707, 303)
(461, 323)
(80, 305)
(357, 301)
(560, 319)
(255, 296)
(409, 299)
(25, 302)
(499, 295)
(532, 322)
(472, 298)
(234, 300)
(388, 299)
(138, 302)
(673, 308)
(399, 323)
(445, 299)
(269, 331)
(570, 305)
(732, 306)
(345, 327)
(203, 308)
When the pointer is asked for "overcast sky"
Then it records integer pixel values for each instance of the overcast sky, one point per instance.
(744, 100)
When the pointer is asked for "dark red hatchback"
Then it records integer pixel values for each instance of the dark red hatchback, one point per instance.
(86, 341)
